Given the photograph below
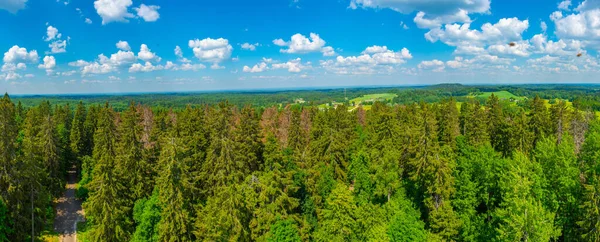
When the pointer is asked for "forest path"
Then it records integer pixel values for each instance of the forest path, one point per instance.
(68, 210)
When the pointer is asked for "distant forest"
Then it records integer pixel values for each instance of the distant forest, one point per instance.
(436, 163)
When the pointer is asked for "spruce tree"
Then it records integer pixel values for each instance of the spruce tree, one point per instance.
(175, 223)
(107, 206)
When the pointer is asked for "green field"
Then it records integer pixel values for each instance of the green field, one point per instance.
(501, 95)
(373, 98)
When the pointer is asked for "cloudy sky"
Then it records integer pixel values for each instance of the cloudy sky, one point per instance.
(83, 46)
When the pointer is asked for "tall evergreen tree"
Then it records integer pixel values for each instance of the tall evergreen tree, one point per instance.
(77, 136)
(107, 206)
(175, 223)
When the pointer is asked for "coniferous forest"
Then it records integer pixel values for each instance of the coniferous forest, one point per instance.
(474, 170)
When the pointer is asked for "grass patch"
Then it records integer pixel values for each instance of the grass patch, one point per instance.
(374, 98)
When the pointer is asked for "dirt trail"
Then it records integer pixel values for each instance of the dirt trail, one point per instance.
(68, 211)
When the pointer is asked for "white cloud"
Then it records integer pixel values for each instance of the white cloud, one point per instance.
(250, 47)
(583, 25)
(430, 13)
(49, 63)
(292, 66)
(543, 26)
(520, 49)
(148, 13)
(328, 51)
(435, 22)
(434, 65)
(211, 50)
(484, 61)
(29, 75)
(543, 60)
(256, 68)
(97, 68)
(52, 33)
(19, 54)
(374, 59)
(279, 42)
(12, 6)
(564, 5)
(58, 46)
(191, 67)
(146, 54)
(541, 44)
(113, 10)
(147, 67)
(506, 30)
(121, 58)
(114, 78)
(10, 76)
(123, 45)
(79, 63)
(299, 44)
(11, 67)
(67, 73)
(178, 52)
(88, 21)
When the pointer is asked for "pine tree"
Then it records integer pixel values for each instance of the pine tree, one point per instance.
(107, 206)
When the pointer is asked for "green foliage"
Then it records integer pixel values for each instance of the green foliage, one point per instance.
(338, 218)
(493, 170)
(284, 231)
(147, 216)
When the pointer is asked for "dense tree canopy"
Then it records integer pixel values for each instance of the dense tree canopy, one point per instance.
(455, 169)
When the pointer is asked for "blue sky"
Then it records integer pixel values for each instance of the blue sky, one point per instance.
(77, 46)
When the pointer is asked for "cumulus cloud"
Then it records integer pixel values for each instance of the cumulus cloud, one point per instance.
(374, 59)
(564, 5)
(434, 65)
(479, 62)
(299, 44)
(123, 45)
(19, 54)
(581, 25)
(49, 63)
(250, 47)
(211, 50)
(146, 54)
(11, 67)
(79, 63)
(506, 30)
(113, 10)
(88, 21)
(328, 51)
(97, 68)
(147, 67)
(292, 66)
(256, 68)
(148, 13)
(12, 6)
(430, 13)
(52, 33)
(191, 67)
(58, 46)
(178, 52)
